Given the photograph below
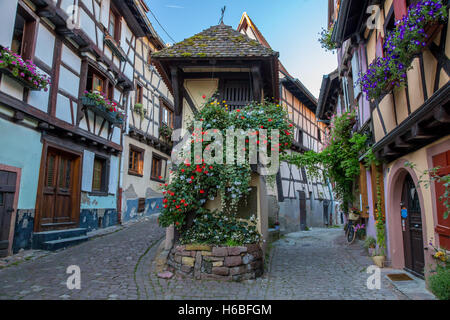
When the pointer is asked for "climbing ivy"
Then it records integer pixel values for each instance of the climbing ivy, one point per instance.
(339, 160)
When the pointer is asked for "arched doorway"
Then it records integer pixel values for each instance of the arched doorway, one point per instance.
(412, 228)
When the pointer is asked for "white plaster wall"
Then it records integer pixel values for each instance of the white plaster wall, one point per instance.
(45, 45)
(63, 109)
(71, 59)
(69, 82)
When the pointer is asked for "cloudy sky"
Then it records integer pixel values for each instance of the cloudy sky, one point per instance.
(290, 26)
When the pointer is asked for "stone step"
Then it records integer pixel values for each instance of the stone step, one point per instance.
(40, 238)
(63, 243)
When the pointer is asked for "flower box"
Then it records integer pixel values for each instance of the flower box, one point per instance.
(27, 84)
(411, 36)
(100, 110)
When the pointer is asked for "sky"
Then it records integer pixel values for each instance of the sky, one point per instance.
(290, 26)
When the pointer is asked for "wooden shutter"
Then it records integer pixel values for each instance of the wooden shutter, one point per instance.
(363, 191)
(8, 17)
(443, 225)
(374, 171)
(113, 175)
(355, 72)
(88, 170)
(400, 9)
(379, 46)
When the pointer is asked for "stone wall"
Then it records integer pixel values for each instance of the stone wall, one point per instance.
(217, 263)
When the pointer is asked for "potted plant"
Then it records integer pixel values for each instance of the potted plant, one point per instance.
(379, 257)
(165, 132)
(370, 244)
(360, 230)
(139, 109)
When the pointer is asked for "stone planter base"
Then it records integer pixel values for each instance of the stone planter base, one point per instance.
(217, 263)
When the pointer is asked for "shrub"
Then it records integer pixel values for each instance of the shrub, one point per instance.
(440, 283)
(213, 227)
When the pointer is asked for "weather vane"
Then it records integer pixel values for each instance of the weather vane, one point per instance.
(223, 13)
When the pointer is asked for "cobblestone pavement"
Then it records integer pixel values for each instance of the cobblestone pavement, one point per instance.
(107, 267)
(306, 265)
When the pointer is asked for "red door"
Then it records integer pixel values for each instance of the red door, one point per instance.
(443, 225)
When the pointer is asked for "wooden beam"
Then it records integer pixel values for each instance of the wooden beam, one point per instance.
(418, 133)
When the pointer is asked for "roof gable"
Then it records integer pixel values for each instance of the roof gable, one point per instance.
(219, 41)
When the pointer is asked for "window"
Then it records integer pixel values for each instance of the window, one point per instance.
(237, 93)
(166, 116)
(24, 34)
(139, 94)
(319, 135)
(95, 81)
(136, 161)
(114, 26)
(158, 168)
(99, 175)
(141, 205)
(300, 137)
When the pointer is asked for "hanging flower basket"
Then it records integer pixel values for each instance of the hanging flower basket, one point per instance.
(101, 109)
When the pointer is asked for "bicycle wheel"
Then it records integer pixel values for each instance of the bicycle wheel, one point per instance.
(351, 234)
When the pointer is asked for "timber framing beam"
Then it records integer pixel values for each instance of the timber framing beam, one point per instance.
(427, 124)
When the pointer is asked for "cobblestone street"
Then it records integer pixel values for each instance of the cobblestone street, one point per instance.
(306, 265)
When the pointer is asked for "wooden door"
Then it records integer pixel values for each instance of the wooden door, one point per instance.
(325, 213)
(303, 224)
(412, 228)
(59, 191)
(7, 192)
(443, 225)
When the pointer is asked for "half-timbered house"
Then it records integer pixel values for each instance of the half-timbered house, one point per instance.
(61, 148)
(239, 69)
(147, 149)
(298, 201)
(407, 124)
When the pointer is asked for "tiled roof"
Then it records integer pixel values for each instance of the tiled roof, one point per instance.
(219, 41)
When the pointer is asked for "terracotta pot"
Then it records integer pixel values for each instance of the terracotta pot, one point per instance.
(379, 260)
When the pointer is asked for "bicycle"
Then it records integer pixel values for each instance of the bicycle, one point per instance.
(350, 233)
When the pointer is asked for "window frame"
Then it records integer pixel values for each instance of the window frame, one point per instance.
(164, 106)
(117, 24)
(139, 94)
(104, 176)
(30, 31)
(139, 172)
(160, 172)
